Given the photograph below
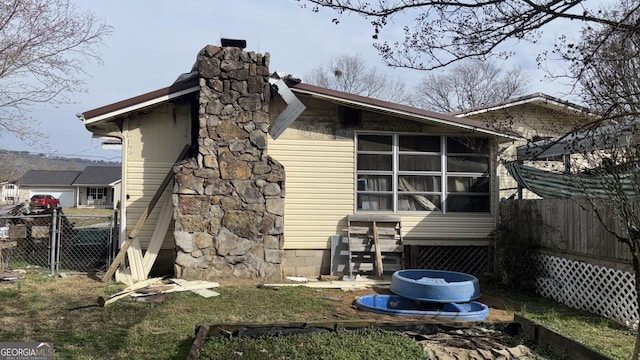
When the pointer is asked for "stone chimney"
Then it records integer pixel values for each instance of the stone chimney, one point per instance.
(229, 199)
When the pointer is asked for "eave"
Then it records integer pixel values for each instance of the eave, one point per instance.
(141, 101)
(398, 110)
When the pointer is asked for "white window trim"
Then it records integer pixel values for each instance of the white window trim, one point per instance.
(443, 174)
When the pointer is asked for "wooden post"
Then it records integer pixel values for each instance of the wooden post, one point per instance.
(376, 243)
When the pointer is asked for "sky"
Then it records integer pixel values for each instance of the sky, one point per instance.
(154, 41)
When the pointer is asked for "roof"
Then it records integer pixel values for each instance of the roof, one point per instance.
(90, 176)
(395, 109)
(366, 103)
(98, 175)
(538, 98)
(48, 177)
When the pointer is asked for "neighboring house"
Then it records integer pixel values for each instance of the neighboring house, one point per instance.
(9, 193)
(95, 186)
(98, 186)
(535, 117)
(343, 155)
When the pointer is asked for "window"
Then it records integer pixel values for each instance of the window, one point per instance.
(397, 173)
(96, 193)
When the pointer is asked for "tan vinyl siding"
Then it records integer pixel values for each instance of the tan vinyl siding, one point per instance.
(319, 189)
(446, 226)
(148, 162)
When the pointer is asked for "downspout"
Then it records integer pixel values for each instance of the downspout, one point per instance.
(122, 210)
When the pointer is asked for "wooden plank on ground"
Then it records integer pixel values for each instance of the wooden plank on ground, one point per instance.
(130, 290)
(201, 335)
(358, 284)
(138, 285)
(199, 287)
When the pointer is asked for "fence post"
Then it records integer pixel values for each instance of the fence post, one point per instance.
(52, 256)
(59, 230)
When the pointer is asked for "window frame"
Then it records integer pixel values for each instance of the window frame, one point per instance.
(98, 191)
(443, 173)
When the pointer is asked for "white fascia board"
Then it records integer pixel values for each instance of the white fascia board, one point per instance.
(557, 104)
(142, 105)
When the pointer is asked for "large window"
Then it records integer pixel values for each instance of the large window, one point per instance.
(399, 173)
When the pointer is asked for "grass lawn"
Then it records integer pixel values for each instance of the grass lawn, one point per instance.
(41, 308)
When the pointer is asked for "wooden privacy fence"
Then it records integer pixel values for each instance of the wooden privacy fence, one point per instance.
(578, 262)
(563, 227)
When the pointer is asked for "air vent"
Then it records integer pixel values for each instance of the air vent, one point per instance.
(349, 117)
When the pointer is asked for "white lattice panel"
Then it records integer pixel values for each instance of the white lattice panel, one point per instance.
(597, 289)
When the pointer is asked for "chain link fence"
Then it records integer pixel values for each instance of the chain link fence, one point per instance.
(52, 242)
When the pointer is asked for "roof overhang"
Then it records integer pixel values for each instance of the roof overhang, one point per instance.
(118, 109)
(140, 102)
(536, 99)
(397, 110)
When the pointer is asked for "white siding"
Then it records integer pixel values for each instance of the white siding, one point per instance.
(154, 141)
(319, 189)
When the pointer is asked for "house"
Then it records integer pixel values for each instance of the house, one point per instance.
(232, 139)
(95, 186)
(535, 117)
(98, 186)
(9, 193)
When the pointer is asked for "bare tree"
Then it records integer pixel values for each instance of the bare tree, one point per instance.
(43, 46)
(440, 32)
(352, 74)
(469, 84)
(606, 63)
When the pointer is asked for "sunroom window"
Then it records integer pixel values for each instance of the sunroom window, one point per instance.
(398, 173)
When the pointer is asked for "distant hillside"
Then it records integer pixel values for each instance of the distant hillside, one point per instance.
(13, 164)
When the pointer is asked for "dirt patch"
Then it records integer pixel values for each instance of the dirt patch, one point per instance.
(344, 301)
(496, 307)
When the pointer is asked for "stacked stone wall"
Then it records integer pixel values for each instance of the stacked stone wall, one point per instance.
(229, 199)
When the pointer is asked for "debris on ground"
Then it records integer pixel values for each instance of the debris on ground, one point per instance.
(8, 276)
(472, 343)
(360, 283)
(154, 290)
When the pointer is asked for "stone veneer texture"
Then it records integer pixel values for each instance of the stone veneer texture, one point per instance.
(229, 199)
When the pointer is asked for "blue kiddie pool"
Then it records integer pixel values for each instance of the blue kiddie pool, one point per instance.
(398, 305)
(435, 286)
